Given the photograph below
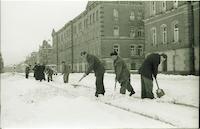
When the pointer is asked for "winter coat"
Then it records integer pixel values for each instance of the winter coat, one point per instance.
(35, 69)
(27, 70)
(49, 71)
(150, 66)
(121, 70)
(94, 64)
(41, 69)
(65, 69)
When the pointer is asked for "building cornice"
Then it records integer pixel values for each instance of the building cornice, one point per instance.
(161, 14)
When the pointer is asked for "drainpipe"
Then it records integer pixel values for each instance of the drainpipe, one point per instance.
(192, 53)
(72, 47)
(57, 52)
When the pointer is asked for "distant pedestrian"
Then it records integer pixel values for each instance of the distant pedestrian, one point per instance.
(27, 70)
(42, 72)
(122, 74)
(148, 70)
(95, 64)
(14, 69)
(49, 72)
(35, 71)
(65, 71)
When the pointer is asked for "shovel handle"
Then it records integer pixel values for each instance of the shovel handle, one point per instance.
(80, 79)
(115, 85)
(157, 83)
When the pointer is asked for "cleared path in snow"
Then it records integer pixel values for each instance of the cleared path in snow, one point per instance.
(29, 103)
(164, 110)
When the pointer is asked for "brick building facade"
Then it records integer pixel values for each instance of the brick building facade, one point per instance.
(103, 27)
(172, 27)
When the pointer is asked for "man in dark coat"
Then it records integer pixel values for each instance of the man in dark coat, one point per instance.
(148, 70)
(41, 69)
(122, 74)
(99, 70)
(35, 70)
(27, 70)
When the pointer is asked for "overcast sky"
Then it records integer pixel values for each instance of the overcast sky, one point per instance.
(25, 24)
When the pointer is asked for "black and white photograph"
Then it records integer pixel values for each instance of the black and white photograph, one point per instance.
(79, 64)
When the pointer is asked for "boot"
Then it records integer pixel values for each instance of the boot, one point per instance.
(96, 95)
(132, 92)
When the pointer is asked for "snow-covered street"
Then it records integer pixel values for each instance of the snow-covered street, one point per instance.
(29, 103)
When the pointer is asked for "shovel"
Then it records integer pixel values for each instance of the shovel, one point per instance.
(115, 85)
(159, 92)
(77, 84)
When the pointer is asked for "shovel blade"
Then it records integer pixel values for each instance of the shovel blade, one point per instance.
(160, 93)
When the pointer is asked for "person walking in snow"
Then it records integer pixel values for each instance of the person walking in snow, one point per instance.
(122, 74)
(41, 70)
(49, 72)
(94, 64)
(65, 71)
(27, 70)
(35, 71)
(148, 70)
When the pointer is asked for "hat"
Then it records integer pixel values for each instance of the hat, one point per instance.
(113, 53)
(163, 55)
(83, 53)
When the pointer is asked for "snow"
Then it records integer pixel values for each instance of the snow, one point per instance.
(27, 103)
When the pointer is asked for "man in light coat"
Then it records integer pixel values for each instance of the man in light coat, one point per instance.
(65, 71)
(122, 74)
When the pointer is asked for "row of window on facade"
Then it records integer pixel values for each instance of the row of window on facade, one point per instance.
(115, 16)
(132, 15)
(92, 18)
(135, 50)
(163, 28)
(133, 31)
(163, 6)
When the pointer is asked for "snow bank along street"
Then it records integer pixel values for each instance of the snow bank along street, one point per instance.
(30, 103)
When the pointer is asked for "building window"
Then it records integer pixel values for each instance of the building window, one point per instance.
(154, 36)
(115, 14)
(116, 31)
(75, 29)
(132, 16)
(93, 17)
(97, 15)
(139, 33)
(176, 32)
(132, 32)
(80, 26)
(153, 8)
(164, 6)
(164, 33)
(90, 19)
(139, 17)
(133, 66)
(86, 22)
(116, 48)
(175, 3)
(139, 50)
(132, 48)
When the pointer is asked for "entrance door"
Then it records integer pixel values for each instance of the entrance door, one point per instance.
(133, 66)
(164, 66)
